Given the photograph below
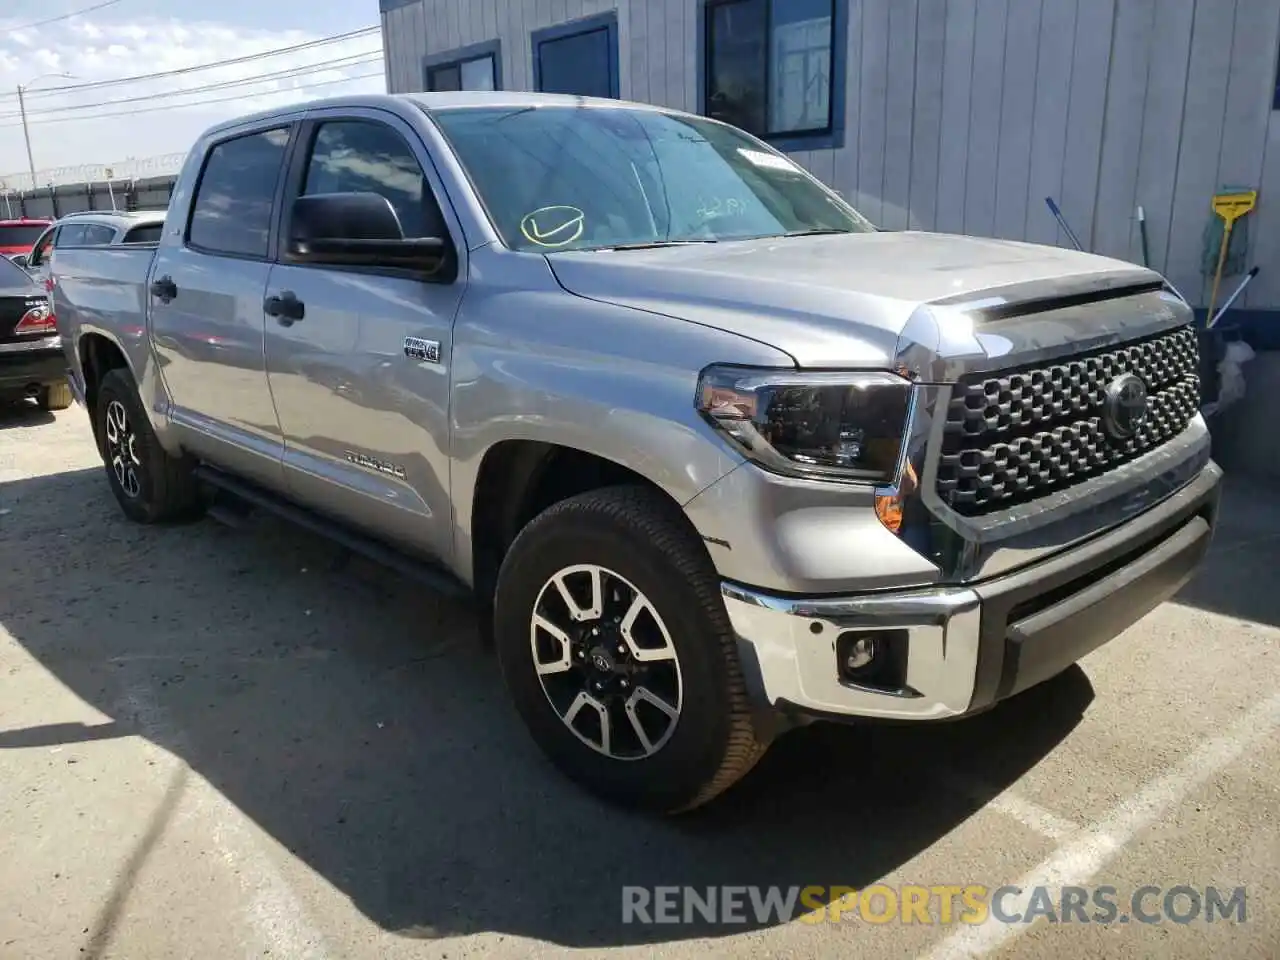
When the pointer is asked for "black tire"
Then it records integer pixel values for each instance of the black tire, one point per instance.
(55, 396)
(165, 487)
(641, 536)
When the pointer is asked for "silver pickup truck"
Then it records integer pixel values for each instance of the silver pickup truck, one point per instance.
(715, 456)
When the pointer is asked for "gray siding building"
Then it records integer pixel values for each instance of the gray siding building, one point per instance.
(951, 115)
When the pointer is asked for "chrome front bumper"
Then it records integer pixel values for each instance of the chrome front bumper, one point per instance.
(971, 646)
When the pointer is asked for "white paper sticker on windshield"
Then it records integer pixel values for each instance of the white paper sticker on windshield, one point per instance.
(762, 159)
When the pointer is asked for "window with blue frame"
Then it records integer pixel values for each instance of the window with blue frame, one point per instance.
(770, 65)
(579, 58)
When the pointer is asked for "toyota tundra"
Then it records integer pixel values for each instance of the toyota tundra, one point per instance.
(714, 455)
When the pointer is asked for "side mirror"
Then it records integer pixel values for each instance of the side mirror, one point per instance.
(358, 229)
(20, 260)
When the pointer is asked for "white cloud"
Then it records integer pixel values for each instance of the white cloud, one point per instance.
(93, 50)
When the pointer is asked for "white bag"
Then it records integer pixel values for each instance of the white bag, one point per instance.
(1231, 375)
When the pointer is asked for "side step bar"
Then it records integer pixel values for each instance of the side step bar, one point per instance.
(430, 575)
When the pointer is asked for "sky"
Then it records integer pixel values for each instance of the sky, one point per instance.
(162, 116)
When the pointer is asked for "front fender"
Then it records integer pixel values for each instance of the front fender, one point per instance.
(533, 362)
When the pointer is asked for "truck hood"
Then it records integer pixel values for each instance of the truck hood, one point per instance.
(847, 299)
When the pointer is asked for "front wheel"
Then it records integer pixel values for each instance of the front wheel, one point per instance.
(616, 648)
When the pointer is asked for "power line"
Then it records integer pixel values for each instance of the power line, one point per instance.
(248, 58)
(351, 60)
(65, 16)
(198, 103)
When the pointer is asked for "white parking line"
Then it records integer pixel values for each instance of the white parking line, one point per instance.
(1079, 860)
(1028, 813)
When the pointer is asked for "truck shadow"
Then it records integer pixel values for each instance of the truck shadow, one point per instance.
(360, 724)
(22, 413)
(1238, 576)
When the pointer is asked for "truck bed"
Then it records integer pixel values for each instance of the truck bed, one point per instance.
(103, 287)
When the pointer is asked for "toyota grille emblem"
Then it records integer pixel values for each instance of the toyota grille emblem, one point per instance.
(1126, 406)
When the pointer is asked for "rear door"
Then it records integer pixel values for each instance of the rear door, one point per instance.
(361, 380)
(206, 305)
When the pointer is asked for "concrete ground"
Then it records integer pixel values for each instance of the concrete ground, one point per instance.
(217, 743)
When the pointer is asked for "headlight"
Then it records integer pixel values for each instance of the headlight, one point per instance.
(840, 426)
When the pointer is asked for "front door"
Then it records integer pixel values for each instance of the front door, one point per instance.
(360, 370)
(206, 309)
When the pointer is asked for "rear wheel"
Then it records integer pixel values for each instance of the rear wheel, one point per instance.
(617, 651)
(55, 396)
(150, 485)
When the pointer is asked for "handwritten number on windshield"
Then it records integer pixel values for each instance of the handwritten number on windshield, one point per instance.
(720, 208)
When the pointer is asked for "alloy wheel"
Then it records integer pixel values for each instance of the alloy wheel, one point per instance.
(606, 662)
(121, 449)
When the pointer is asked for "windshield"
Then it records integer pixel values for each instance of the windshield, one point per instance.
(20, 235)
(577, 178)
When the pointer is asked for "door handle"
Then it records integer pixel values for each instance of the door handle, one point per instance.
(164, 288)
(285, 307)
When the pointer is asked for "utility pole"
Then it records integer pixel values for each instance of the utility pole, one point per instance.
(26, 135)
(26, 131)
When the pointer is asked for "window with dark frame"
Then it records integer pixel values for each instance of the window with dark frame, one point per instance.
(769, 65)
(473, 73)
(582, 63)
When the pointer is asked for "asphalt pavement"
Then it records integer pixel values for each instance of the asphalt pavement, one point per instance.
(223, 743)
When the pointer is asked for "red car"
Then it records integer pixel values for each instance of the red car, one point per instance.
(19, 236)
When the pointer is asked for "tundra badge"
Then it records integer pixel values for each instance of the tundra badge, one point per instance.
(381, 466)
(415, 348)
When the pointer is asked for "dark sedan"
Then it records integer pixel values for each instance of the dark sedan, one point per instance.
(31, 359)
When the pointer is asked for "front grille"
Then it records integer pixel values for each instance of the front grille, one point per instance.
(1023, 433)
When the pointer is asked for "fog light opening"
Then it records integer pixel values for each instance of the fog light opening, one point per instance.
(873, 658)
(860, 653)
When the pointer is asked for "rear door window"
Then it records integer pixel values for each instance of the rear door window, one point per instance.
(148, 233)
(70, 235)
(232, 209)
(97, 234)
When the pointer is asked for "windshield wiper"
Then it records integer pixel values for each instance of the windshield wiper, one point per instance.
(817, 231)
(648, 244)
